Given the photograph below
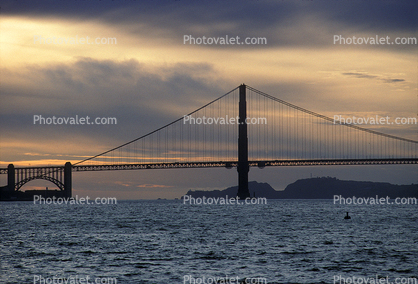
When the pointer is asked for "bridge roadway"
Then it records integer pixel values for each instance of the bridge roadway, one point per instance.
(231, 164)
(260, 164)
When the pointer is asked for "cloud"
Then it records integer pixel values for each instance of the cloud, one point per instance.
(283, 23)
(141, 97)
(393, 80)
(124, 184)
(106, 87)
(359, 75)
(365, 75)
(154, 186)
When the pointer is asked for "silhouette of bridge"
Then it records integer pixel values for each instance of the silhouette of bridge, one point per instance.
(268, 131)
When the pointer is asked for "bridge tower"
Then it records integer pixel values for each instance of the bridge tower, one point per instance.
(243, 167)
(11, 177)
(68, 179)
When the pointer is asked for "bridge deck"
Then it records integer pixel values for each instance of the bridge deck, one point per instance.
(230, 164)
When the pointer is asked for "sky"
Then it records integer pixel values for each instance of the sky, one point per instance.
(147, 76)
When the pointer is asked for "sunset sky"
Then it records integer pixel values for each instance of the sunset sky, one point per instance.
(149, 77)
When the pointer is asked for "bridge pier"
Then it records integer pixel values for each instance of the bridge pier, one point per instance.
(243, 167)
(68, 179)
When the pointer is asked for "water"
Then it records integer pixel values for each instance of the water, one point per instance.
(285, 241)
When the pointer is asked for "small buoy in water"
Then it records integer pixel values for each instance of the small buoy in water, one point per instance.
(347, 216)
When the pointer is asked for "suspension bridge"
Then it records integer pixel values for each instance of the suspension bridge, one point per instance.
(244, 128)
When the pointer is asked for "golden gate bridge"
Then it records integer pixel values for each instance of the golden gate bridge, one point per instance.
(243, 128)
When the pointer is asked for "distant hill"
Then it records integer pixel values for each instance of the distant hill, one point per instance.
(260, 190)
(318, 188)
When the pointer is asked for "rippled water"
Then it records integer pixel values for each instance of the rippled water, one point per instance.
(285, 241)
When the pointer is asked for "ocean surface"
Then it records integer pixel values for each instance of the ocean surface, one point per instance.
(162, 241)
